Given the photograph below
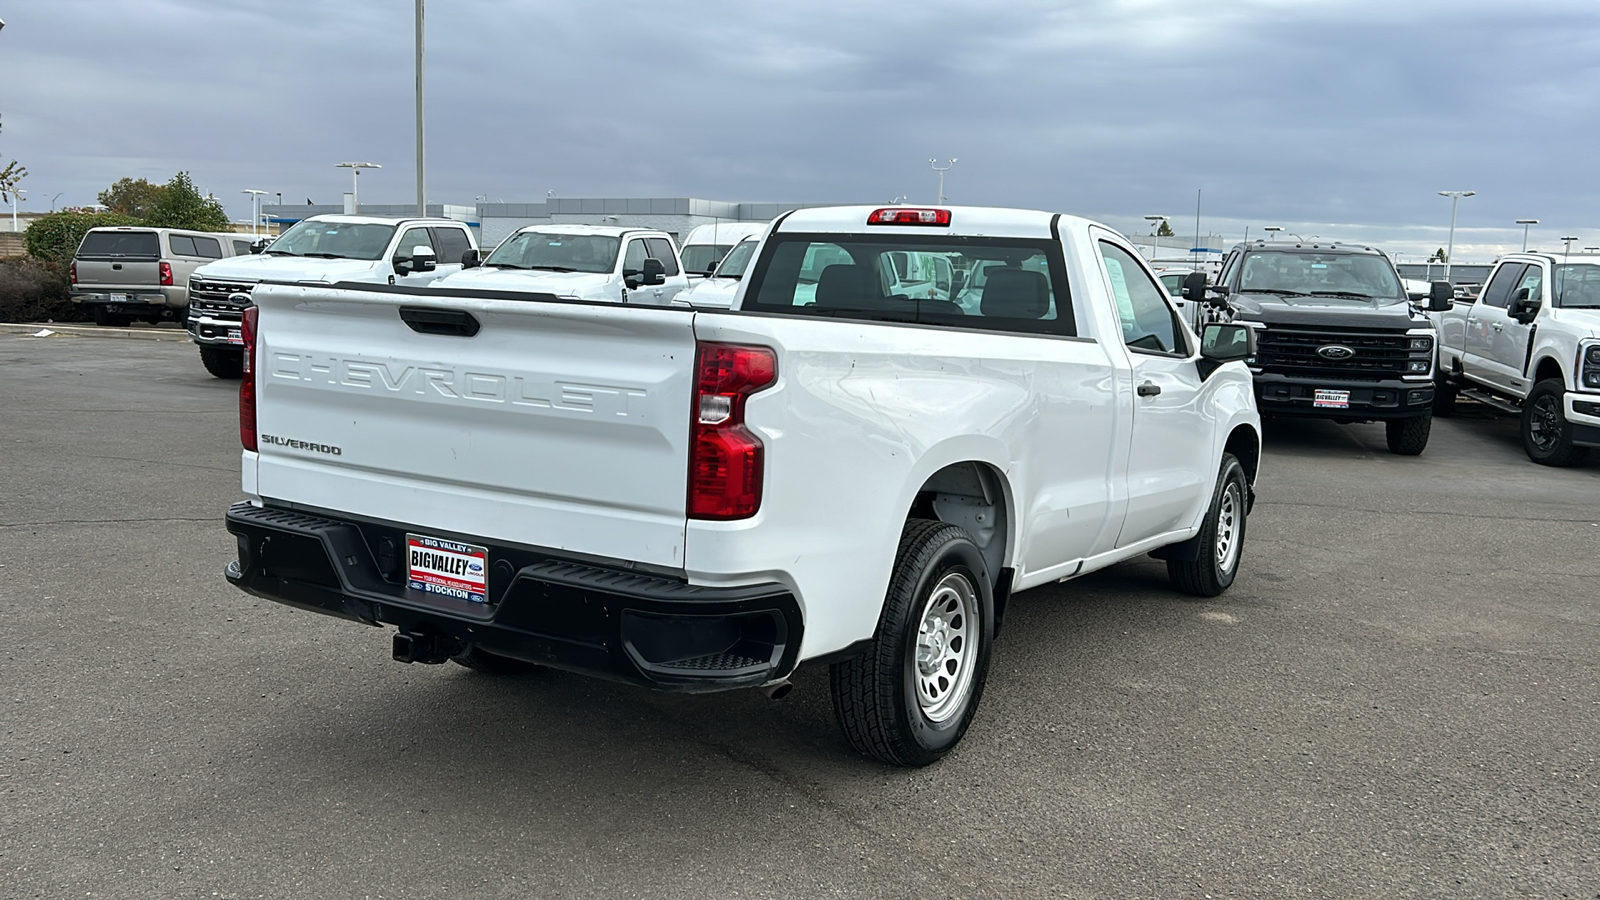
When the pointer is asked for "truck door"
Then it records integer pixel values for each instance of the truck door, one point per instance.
(677, 281)
(403, 250)
(1486, 320)
(1509, 340)
(1170, 470)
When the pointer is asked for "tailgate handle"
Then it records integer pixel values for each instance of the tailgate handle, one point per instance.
(425, 320)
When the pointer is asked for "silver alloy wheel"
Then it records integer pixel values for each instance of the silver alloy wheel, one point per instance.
(1228, 511)
(1544, 426)
(946, 650)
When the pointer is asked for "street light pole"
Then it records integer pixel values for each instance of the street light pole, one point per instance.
(1568, 252)
(355, 173)
(934, 164)
(422, 168)
(1272, 231)
(1525, 223)
(1155, 240)
(255, 208)
(15, 196)
(1450, 247)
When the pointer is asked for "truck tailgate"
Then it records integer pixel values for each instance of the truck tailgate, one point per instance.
(556, 425)
(117, 273)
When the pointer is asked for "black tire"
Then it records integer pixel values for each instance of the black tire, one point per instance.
(223, 362)
(103, 316)
(1444, 398)
(1221, 538)
(894, 706)
(1409, 436)
(480, 660)
(1546, 434)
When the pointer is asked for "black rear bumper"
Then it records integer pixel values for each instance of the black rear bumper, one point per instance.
(646, 629)
(1286, 395)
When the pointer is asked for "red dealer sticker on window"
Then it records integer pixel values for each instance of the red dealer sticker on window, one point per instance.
(447, 568)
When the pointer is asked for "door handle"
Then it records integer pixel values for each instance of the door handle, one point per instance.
(1499, 325)
(1149, 389)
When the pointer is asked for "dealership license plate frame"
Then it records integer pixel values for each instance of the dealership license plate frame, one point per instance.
(1329, 398)
(442, 578)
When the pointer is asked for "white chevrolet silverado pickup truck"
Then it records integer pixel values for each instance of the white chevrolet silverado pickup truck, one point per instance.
(601, 263)
(1530, 345)
(697, 500)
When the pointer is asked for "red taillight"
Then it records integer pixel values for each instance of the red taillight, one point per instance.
(903, 215)
(725, 457)
(247, 385)
(166, 274)
(72, 272)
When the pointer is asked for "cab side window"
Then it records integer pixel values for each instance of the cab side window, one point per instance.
(451, 244)
(1533, 281)
(1498, 292)
(413, 238)
(661, 249)
(182, 245)
(633, 260)
(1148, 323)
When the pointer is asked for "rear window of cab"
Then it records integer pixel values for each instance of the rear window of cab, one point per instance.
(979, 283)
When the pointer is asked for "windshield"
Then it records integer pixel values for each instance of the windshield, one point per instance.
(557, 252)
(1004, 284)
(333, 240)
(1360, 276)
(737, 260)
(702, 257)
(1578, 286)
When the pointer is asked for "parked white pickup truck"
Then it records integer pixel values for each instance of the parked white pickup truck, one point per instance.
(696, 499)
(326, 249)
(599, 263)
(1530, 345)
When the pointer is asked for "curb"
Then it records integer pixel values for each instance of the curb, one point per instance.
(96, 331)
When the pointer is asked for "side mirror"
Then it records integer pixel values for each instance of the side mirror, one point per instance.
(1194, 287)
(1441, 296)
(654, 272)
(470, 260)
(1223, 342)
(1523, 307)
(260, 245)
(423, 259)
(630, 279)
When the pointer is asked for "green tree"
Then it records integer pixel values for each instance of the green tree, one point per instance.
(1438, 256)
(55, 237)
(130, 197)
(1165, 230)
(181, 206)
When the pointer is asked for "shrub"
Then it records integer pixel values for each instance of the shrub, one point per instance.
(35, 291)
(55, 237)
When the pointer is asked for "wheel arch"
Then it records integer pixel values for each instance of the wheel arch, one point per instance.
(975, 496)
(1549, 367)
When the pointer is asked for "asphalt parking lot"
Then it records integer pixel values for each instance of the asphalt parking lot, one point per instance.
(1399, 698)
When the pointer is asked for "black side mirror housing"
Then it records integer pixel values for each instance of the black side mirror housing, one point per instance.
(1441, 296)
(654, 273)
(260, 245)
(423, 259)
(1523, 307)
(470, 260)
(1225, 342)
(1194, 287)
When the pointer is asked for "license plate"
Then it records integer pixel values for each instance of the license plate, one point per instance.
(119, 298)
(447, 568)
(1326, 399)
(234, 337)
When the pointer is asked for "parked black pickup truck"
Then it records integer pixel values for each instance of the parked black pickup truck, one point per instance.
(1338, 337)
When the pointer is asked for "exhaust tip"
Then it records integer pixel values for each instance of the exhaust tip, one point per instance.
(777, 691)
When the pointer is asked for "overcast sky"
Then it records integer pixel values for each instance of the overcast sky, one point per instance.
(1334, 118)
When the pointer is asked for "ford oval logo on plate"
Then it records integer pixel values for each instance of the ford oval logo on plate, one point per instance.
(1335, 351)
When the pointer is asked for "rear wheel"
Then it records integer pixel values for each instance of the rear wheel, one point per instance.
(1221, 538)
(223, 362)
(1546, 434)
(103, 316)
(908, 700)
(1408, 437)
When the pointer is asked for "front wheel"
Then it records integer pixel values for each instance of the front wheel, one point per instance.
(908, 700)
(1546, 434)
(223, 362)
(1408, 437)
(1221, 538)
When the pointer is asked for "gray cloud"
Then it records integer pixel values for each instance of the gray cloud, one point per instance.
(1284, 112)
